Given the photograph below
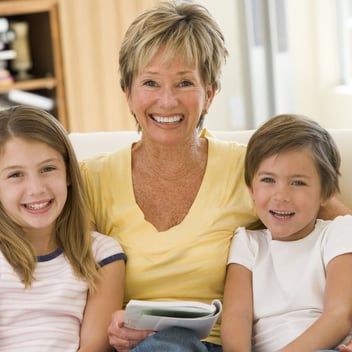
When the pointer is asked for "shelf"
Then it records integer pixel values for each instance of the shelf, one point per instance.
(22, 7)
(45, 48)
(31, 84)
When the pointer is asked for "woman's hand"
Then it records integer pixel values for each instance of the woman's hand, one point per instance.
(121, 338)
(346, 348)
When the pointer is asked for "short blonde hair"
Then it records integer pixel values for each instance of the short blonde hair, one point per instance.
(181, 28)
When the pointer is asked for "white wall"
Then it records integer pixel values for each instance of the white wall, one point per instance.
(314, 49)
(314, 57)
(227, 111)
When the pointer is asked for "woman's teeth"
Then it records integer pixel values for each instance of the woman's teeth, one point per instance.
(170, 119)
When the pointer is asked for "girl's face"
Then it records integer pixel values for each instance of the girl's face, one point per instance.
(168, 99)
(287, 193)
(33, 185)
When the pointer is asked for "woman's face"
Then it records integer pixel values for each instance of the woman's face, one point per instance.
(168, 98)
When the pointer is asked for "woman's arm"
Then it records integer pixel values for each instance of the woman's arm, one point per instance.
(332, 208)
(336, 321)
(100, 306)
(122, 338)
(237, 314)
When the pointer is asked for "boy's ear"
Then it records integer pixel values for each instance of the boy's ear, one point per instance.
(250, 190)
(324, 201)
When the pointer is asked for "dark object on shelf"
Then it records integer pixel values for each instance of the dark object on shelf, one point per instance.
(44, 43)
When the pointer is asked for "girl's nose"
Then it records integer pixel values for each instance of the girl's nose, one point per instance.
(35, 185)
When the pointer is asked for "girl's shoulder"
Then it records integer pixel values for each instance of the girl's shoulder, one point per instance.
(104, 246)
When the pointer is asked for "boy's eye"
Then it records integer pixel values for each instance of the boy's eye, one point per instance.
(267, 180)
(298, 183)
(15, 174)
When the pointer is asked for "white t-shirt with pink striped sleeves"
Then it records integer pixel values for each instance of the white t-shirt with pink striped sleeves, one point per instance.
(46, 317)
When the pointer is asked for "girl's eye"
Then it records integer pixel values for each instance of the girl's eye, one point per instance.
(48, 169)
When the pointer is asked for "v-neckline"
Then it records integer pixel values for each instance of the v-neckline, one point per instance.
(197, 200)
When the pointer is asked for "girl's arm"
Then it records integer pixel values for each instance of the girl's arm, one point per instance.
(237, 314)
(100, 306)
(336, 321)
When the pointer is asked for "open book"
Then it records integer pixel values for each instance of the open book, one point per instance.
(159, 315)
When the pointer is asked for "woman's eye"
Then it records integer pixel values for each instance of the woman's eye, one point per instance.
(150, 83)
(185, 83)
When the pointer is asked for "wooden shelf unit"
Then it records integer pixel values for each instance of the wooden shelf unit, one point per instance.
(45, 47)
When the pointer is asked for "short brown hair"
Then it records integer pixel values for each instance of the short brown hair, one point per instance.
(293, 132)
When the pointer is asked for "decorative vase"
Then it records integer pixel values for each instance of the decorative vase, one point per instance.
(22, 62)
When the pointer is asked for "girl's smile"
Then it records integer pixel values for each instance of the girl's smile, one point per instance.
(33, 185)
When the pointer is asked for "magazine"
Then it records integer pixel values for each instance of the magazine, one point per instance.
(159, 315)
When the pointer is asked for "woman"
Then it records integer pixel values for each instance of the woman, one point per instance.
(174, 198)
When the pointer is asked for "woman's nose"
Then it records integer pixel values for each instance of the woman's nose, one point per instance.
(167, 97)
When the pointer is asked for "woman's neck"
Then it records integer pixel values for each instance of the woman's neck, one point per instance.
(170, 160)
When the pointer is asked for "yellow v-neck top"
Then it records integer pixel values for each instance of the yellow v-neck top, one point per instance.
(188, 261)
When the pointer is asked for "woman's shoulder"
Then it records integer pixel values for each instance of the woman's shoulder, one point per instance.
(106, 167)
(227, 148)
(106, 158)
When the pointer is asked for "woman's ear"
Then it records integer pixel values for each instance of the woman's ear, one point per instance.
(127, 93)
(210, 93)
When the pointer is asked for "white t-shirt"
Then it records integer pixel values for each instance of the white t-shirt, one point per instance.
(288, 278)
(47, 316)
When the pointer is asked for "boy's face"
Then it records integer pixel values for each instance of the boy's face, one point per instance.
(286, 190)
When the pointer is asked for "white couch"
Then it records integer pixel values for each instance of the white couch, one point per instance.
(90, 144)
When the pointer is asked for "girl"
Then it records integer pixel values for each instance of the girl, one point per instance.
(59, 282)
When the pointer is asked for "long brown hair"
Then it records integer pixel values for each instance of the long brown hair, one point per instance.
(72, 226)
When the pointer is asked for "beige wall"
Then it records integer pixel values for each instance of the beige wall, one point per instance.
(91, 32)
